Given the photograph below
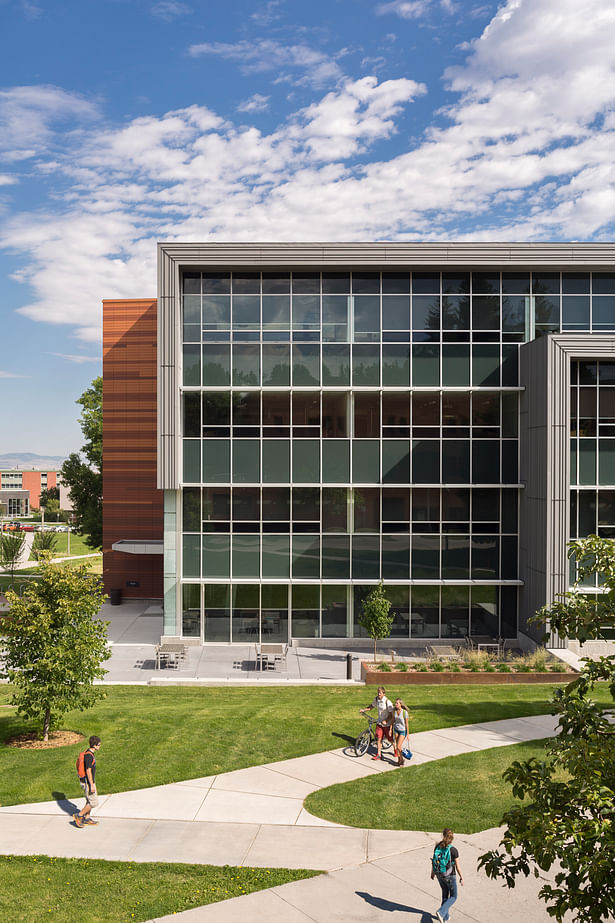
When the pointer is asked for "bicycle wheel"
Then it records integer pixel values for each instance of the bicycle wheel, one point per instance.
(362, 743)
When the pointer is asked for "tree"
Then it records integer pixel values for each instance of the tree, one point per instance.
(375, 616)
(49, 493)
(54, 645)
(84, 478)
(44, 542)
(11, 546)
(570, 818)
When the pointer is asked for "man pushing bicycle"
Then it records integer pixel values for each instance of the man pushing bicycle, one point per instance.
(384, 728)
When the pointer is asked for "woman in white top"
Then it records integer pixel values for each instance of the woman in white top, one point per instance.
(400, 729)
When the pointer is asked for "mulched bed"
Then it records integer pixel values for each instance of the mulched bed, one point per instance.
(31, 740)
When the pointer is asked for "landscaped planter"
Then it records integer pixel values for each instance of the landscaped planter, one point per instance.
(372, 677)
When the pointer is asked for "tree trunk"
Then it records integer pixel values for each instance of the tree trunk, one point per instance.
(46, 724)
(374, 652)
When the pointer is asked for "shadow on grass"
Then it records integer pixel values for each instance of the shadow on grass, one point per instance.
(392, 906)
(349, 740)
(69, 807)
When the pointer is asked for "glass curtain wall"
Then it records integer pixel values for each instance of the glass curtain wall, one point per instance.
(344, 428)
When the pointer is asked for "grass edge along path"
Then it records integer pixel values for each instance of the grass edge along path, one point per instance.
(155, 736)
(464, 792)
(99, 891)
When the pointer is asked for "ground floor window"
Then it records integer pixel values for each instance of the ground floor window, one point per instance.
(250, 612)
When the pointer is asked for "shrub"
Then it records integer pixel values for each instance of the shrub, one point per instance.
(402, 667)
(503, 668)
(436, 666)
(455, 668)
(384, 667)
(422, 668)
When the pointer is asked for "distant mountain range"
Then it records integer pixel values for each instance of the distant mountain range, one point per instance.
(30, 460)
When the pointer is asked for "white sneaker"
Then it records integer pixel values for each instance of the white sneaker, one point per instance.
(440, 918)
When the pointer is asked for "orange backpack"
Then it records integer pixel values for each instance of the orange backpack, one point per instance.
(80, 764)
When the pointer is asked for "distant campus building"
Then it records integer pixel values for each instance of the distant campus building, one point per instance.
(20, 489)
(288, 424)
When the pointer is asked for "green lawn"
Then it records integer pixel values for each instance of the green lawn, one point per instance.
(152, 736)
(38, 888)
(78, 545)
(466, 793)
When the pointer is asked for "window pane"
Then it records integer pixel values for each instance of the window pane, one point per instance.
(216, 555)
(246, 555)
(216, 312)
(306, 312)
(455, 557)
(456, 312)
(365, 365)
(425, 461)
(455, 461)
(276, 461)
(365, 461)
(306, 504)
(603, 312)
(191, 406)
(191, 450)
(335, 310)
(191, 283)
(216, 364)
(306, 556)
(425, 365)
(192, 365)
(245, 626)
(306, 408)
(515, 310)
(246, 365)
(455, 364)
(485, 611)
(425, 312)
(396, 504)
(425, 282)
(191, 611)
(246, 408)
(191, 518)
(366, 502)
(396, 312)
(216, 409)
(395, 461)
(276, 556)
(276, 312)
(216, 504)
(575, 312)
(274, 613)
(424, 612)
(486, 461)
(455, 409)
(395, 558)
(425, 504)
(606, 461)
(276, 364)
(334, 415)
(306, 282)
(334, 509)
(485, 557)
(306, 364)
(306, 611)
(366, 316)
(246, 283)
(246, 503)
(367, 415)
(365, 557)
(486, 364)
(246, 460)
(334, 612)
(306, 460)
(336, 461)
(191, 556)
(400, 609)
(335, 283)
(276, 409)
(336, 556)
(454, 611)
(395, 365)
(335, 365)
(425, 557)
(485, 313)
(276, 504)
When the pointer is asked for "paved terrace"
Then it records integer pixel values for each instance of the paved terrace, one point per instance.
(255, 817)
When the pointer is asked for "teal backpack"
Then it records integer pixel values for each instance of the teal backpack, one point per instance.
(441, 861)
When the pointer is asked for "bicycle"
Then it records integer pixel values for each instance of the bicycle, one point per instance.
(368, 736)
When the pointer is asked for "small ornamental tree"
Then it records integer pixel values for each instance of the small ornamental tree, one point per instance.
(11, 546)
(44, 542)
(375, 616)
(54, 645)
(568, 820)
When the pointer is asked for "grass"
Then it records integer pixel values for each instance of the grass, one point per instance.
(78, 545)
(466, 793)
(96, 891)
(153, 736)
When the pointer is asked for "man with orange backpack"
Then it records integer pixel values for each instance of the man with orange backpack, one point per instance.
(86, 770)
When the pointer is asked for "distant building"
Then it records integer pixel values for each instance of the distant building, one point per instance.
(291, 423)
(20, 489)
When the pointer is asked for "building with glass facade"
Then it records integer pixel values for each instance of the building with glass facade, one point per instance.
(438, 417)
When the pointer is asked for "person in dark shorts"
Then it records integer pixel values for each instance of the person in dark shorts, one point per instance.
(384, 727)
(88, 784)
(445, 867)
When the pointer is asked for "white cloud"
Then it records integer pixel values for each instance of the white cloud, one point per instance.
(315, 67)
(256, 103)
(268, 13)
(77, 359)
(29, 114)
(406, 9)
(10, 375)
(523, 151)
(167, 10)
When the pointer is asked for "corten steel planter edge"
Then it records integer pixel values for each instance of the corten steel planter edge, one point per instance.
(411, 678)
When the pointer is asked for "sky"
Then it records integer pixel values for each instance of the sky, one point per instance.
(127, 122)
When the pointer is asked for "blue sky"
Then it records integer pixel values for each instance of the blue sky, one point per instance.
(131, 121)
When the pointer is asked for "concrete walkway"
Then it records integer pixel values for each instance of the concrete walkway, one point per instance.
(255, 817)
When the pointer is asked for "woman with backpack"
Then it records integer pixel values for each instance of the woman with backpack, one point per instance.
(400, 729)
(444, 867)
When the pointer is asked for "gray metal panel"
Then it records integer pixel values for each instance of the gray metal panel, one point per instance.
(545, 463)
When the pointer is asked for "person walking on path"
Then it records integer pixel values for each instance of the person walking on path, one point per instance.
(86, 770)
(400, 730)
(385, 718)
(444, 867)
